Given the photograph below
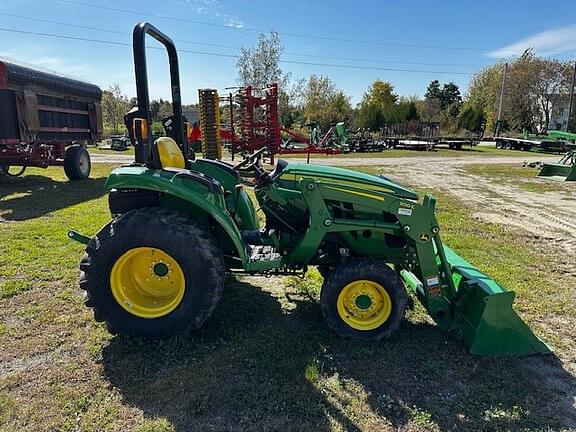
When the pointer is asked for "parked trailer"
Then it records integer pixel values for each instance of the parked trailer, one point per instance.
(414, 142)
(545, 144)
(456, 143)
(46, 120)
(414, 134)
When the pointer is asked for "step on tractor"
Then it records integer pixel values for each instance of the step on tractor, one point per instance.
(180, 226)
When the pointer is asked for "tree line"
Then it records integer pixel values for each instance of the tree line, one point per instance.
(115, 104)
(533, 86)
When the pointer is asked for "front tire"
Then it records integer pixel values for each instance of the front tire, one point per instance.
(363, 299)
(152, 272)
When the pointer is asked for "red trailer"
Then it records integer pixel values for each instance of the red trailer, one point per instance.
(46, 120)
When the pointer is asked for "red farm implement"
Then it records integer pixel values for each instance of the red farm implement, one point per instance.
(46, 120)
(252, 122)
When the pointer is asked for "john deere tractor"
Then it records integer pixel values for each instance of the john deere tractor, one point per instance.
(180, 226)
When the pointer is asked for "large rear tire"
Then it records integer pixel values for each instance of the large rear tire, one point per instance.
(77, 163)
(363, 299)
(152, 272)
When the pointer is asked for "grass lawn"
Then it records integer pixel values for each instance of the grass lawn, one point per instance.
(524, 177)
(265, 360)
(401, 152)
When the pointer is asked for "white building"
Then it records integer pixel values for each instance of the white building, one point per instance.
(559, 113)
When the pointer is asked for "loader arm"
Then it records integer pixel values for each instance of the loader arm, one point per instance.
(459, 298)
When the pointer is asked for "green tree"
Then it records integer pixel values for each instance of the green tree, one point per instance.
(339, 108)
(323, 103)
(433, 91)
(381, 94)
(155, 109)
(290, 103)
(553, 83)
(260, 66)
(378, 105)
(471, 119)
(370, 117)
(450, 95)
(532, 85)
(441, 102)
(114, 105)
(432, 104)
(483, 92)
(405, 109)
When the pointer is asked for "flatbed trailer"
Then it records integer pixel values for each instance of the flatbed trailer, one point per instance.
(545, 144)
(415, 142)
(456, 143)
(46, 120)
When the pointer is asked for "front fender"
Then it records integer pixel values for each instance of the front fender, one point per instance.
(194, 194)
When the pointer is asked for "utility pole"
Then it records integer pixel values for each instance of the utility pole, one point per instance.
(571, 97)
(502, 92)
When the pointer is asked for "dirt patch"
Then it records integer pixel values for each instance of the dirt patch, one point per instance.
(549, 216)
(427, 161)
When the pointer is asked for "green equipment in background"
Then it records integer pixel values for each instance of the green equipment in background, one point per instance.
(563, 170)
(566, 136)
(179, 226)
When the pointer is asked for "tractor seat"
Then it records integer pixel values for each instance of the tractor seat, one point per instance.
(169, 154)
(172, 160)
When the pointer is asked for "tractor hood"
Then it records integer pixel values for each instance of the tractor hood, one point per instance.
(296, 171)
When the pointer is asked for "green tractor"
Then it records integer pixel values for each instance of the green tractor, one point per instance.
(179, 226)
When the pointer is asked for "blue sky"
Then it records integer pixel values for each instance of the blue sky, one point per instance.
(446, 40)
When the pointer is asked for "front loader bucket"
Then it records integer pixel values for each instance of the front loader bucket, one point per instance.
(564, 170)
(483, 314)
(558, 172)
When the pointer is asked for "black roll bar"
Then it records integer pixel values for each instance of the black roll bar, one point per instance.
(139, 48)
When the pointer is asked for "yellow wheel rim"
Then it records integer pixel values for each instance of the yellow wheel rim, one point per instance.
(147, 282)
(364, 305)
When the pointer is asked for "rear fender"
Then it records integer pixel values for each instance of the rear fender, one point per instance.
(200, 197)
(238, 201)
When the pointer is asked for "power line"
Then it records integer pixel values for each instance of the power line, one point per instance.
(152, 15)
(377, 68)
(42, 20)
(378, 61)
(100, 29)
(254, 30)
(83, 39)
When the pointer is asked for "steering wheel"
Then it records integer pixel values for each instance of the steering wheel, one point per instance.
(251, 163)
(250, 160)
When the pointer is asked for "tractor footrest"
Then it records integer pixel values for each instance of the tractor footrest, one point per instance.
(263, 253)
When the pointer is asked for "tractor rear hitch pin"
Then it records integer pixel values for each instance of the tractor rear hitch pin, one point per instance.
(74, 235)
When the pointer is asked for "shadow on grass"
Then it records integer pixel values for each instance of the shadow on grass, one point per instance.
(39, 195)
(255, 366)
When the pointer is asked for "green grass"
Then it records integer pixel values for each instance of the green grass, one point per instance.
(439, 152)
(524, 177)
(265, 360)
